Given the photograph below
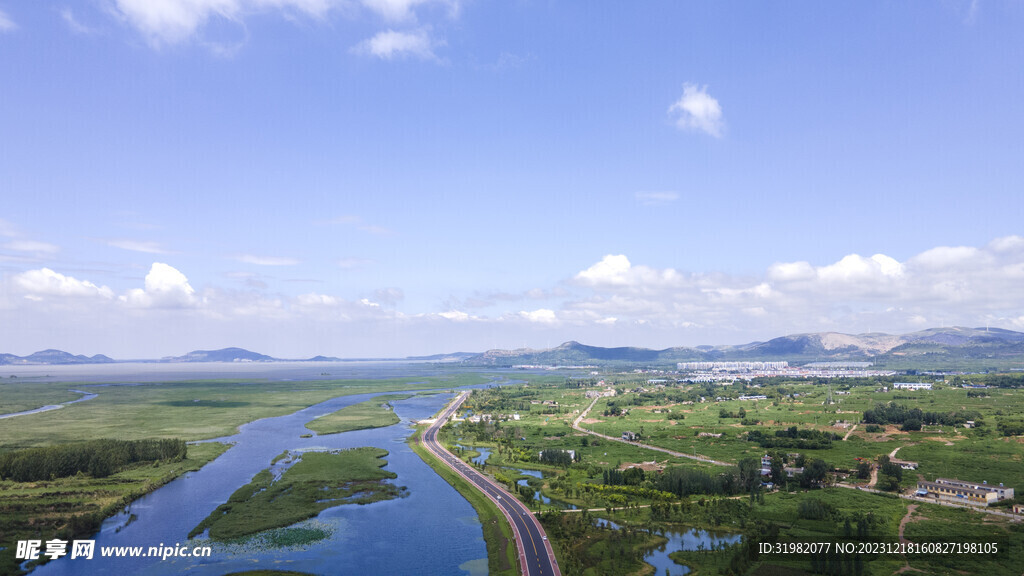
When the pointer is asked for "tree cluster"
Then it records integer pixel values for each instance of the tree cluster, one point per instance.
(794, 438)
(97, 458)
(893, 413)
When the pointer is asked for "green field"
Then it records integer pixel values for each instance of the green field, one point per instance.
(75, 507)
(189, 410)
(672, 418)
(374, 413)
(317, 481)
(17, 395)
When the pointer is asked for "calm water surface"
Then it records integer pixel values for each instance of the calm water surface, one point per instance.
(432, 531)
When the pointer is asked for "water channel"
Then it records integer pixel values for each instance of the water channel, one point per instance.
(432, 531)
(689, 540)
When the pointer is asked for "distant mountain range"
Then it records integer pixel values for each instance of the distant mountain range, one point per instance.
(52, 357)
(940, 348)
(936, 348)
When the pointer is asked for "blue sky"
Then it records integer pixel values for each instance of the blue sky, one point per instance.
(392, 177)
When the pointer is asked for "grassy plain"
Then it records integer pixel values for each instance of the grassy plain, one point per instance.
(188, 410)
(374, 413)
(319, 480)
(71, 507)
(545, 414)
(17, 395)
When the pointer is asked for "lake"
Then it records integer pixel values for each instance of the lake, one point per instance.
(397, 537)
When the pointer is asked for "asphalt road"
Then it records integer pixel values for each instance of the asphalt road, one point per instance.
(535, 554)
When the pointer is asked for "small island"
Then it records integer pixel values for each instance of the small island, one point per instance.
(376, 412)
(317, 481)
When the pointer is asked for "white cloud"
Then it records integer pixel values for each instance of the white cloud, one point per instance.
(49, 283)
(612, 269)
(165, 287)
(616, 270)
(168, 22)
(455, 315)
(540, 316)
(322, 300)
(946, 256)
(698, 110)
(855, 267)
(31, 246)
(405, 10)
(144, 246)
(392, 44)
(963, 285)
(1007, 244)
(267, 260)
(6, 24)
(68, 16)
(656, 198)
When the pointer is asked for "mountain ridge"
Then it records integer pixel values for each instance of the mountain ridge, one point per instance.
(932, 346)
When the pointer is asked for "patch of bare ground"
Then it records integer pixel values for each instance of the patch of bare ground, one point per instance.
(907, 518)
(592, 421)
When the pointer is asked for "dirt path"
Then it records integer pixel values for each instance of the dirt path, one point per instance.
(903, 522)
(576, 426)
(874, 476)
(850, 432)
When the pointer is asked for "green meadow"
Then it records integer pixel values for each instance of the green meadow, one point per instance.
(189, 410)
(317, 481)
(374, 413)
(75, 507)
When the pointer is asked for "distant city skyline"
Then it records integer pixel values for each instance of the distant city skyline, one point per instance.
(409, 177)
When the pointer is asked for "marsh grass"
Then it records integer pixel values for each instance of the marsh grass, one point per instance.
(319, 480)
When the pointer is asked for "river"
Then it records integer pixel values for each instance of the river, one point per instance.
(432, 531)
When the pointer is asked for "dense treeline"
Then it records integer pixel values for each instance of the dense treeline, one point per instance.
(683, 481)
(793, 438)
(1003, 380)
(893, 413)
(556, 457)
(1010, 428)
(97, 458)
(627, 477)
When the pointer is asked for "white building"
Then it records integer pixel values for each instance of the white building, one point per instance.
(912, 385)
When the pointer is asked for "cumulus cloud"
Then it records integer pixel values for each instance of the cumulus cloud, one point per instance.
(455, 315)
(697, 110)
(165, 287)
(540, 316)
(167, 22)
(392, 44)
(6, 24)
(960, 284)
(322, 300)
(616, 270)
(46, 282)
(267, 260)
